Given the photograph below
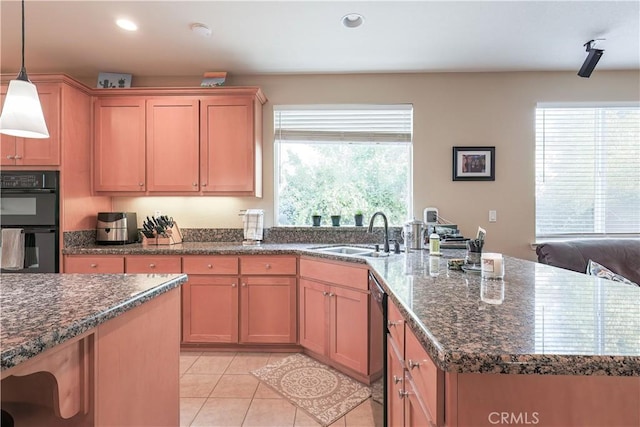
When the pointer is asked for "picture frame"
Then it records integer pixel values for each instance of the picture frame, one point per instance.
(474, 163)
(113, 81)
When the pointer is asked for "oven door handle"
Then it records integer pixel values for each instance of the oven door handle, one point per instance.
(28, 190)
(36, 230)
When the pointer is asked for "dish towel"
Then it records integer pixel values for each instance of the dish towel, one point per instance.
(12, 248)
(253, 224)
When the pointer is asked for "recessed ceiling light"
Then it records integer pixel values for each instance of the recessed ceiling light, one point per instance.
(200, 29)
(125, 24)
(352, 20)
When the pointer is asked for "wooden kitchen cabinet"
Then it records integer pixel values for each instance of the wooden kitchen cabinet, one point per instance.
(268, 312)
(172, 144)
(93, 264)
(119, 145)
(210, 309)
(230, 145)
(16, 151)
(154, 142)
(210, 299)
(268, 299)
(395, 383)
(334, 318)
(157, 264)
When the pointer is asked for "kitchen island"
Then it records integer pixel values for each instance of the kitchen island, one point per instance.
(90, 349)
(548, 347)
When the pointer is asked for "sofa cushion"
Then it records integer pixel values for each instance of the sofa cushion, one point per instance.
(622, 256)
(599, 270)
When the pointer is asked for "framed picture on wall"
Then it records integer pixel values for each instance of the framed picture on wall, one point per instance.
(474, 163)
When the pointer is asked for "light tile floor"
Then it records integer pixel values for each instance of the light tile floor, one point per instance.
(217, 389)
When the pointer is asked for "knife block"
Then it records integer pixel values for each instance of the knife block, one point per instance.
(174, 236)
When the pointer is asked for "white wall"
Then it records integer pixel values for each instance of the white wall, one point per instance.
(450, 109)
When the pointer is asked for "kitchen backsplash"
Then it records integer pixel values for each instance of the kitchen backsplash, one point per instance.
(329, 235)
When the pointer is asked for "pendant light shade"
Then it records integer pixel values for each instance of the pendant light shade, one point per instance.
(22, 113)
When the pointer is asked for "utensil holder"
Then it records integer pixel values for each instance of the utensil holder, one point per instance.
(174, 236)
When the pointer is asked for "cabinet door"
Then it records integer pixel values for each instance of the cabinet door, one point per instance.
(36, 151)
(414, 412)
(349, 328)
(173, 144)
(210, 309)
(119, 144)
(228, 145)
(314, 321)
(395, 385)
(268, 310)
(94, 264)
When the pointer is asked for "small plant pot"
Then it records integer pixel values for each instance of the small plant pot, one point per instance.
(316, 220)
(335, 220)
(358, 218)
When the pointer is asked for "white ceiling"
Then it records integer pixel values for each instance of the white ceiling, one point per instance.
(80, 38)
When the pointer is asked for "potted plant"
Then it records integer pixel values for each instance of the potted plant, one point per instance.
(335, 220)
(358, 217)
(316, 219)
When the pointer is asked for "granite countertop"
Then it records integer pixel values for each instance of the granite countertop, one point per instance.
(550, 320)
(40, 311)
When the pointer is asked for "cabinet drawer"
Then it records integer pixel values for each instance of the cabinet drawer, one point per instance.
(210, 265)
(153, 264)
(285, 265)
(94, 264)
(335, 273)
(428, 379)
(395, 325)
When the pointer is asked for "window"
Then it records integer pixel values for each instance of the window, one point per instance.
(338, 160)
(587, 170)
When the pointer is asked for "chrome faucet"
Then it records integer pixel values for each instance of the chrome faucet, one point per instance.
(386, 229)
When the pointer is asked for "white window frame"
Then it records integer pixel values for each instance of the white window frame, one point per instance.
(277, 147)
(599, 212)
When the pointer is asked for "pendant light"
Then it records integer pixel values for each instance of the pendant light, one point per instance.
(22, 113)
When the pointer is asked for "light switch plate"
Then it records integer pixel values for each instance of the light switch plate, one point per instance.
(493, 216)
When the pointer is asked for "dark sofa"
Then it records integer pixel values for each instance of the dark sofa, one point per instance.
(622, 256)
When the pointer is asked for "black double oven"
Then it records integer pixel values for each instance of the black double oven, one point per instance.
(29, 201)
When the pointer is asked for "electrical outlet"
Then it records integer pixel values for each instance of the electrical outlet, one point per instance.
(493, 216)
(157, 214)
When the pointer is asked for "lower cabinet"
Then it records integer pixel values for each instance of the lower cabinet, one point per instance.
(252, 300)
(415, 385)
(334, 318)
(210, 309)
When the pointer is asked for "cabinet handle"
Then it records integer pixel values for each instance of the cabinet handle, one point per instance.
(391, 323)
(10, 157)
(324, 293)
(17, 157)
(195, 184)
(267, 266)
(397, 379)
(244, 285)
(233, 285)
(141, 184)
(403, 393)
(93, 265)
(331, 294)
(413, 364)
(152, 265)
(209, 266)
(204, 184)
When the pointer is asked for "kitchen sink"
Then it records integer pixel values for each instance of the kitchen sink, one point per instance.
(345, 250)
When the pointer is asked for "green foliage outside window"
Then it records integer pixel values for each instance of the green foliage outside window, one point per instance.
(342, 179)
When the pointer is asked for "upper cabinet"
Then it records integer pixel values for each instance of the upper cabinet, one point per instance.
(160, 143)
(35, 151)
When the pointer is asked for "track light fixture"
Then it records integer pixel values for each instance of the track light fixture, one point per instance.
(593, 57)
(22, 113)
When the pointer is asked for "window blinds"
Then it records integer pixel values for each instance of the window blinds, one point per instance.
(587, 170)
(339, 123)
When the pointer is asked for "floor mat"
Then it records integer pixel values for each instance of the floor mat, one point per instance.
(321, 391)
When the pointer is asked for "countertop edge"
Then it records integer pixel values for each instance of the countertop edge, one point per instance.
(447, 360)
(50, 339)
